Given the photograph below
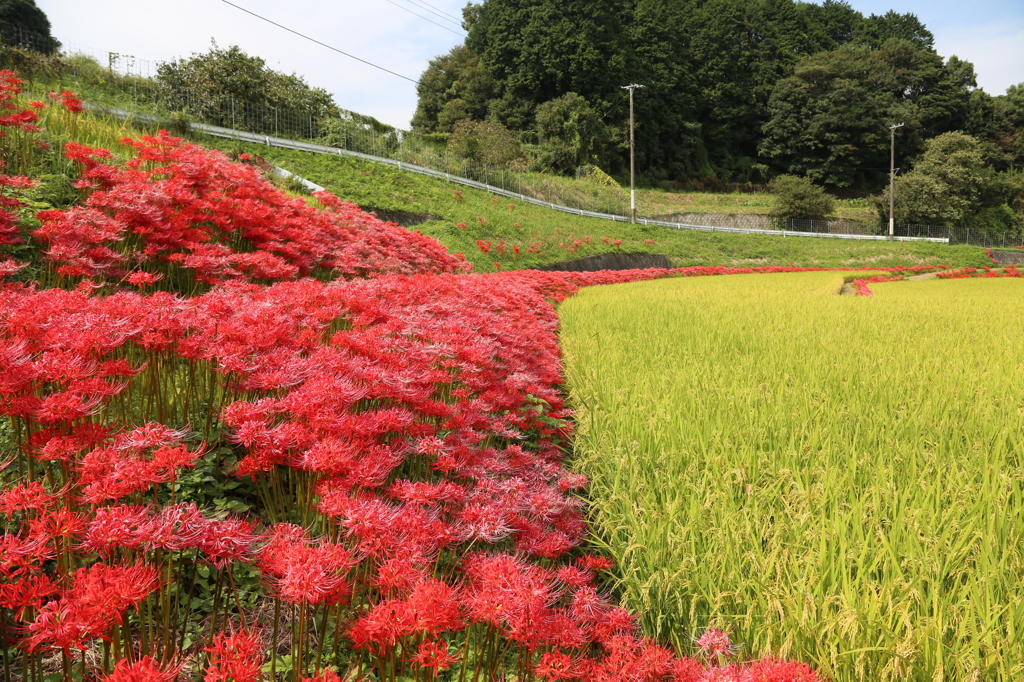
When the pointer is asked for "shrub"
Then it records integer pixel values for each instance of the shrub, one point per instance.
(797, 197)
(485, 142)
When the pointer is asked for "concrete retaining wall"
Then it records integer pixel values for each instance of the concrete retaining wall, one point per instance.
(612, 261)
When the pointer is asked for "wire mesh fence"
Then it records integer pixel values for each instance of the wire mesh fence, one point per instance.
(128, 82)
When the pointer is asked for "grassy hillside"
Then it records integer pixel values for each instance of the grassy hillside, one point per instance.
(546, 236)
(661, 202)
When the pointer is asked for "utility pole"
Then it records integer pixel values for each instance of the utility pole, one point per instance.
(892, 177)
(632, 160)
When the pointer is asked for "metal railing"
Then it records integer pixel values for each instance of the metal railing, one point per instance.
(284, 143)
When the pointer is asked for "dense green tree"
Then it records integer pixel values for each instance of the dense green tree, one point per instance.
(571, 133)
(1003, 118)
(485, 142)
(717, 80)
(796, 197)
(952, 184)
(455, 86)
(540, 49)
(23, 24)
(829, 119)
(224, 83)
(826, 26)
(875, 30)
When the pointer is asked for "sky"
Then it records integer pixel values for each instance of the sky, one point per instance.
(388, 33)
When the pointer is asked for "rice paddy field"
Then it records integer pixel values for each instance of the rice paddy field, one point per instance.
(831, 478)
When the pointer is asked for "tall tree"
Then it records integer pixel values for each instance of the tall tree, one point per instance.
(829, 120)
(455, 86)
(220, 81)
(23, 24)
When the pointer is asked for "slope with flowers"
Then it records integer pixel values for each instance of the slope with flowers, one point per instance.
(516, 235)
(394, 427)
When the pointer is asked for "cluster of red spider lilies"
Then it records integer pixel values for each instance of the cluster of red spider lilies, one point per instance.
(384, 437)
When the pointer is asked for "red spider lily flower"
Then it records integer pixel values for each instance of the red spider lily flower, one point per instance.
(715, 644)
(25, 497)
(234, 657)
(577, 577)
(119, 527)
(555, 666)
(303, 572)
(8, 267)
(28, 592)
(60, 523)
(326, 675)
(71, 102)
(113, 588)
(141, 279)
(772, 670)
(595, 562)
(61, 624)
(95, 602)
(21, 556)
(433, 654)
(686, 669)
(225, 541)
(144, 670)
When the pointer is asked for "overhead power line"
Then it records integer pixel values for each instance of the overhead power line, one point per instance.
(455, 18)
(314, 40)
(426, 19)
(444, 16)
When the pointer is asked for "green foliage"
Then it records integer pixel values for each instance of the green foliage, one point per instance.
(952, 185)
(796, 197)
(709, 68)
(875, 30)
(232, 85)
(1001, 122)
(23, 23)
(485, 142)
(571, 133)
(455, 86)
(553, 234)
(358, 132)
(829, 120)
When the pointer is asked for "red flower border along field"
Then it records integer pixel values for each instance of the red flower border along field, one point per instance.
(312, 450)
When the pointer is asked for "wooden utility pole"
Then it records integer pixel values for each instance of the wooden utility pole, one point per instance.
(632, 158)
(892, 177)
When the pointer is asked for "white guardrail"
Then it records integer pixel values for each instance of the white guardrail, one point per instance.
(285, 143)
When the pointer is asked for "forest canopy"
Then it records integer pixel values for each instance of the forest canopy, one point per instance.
(735, 90)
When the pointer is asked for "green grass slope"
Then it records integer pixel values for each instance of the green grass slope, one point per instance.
(546, 236)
